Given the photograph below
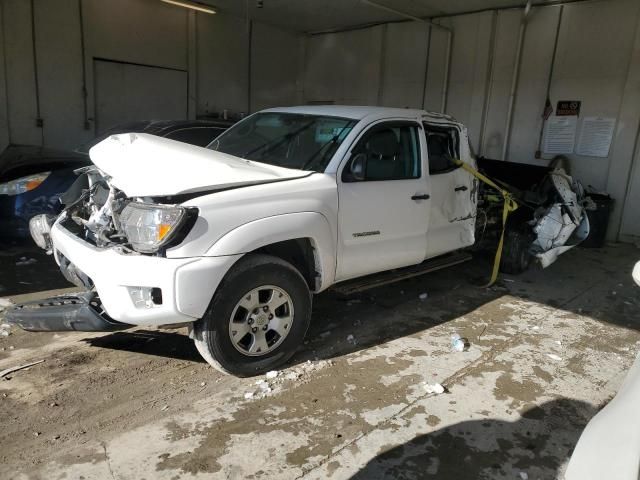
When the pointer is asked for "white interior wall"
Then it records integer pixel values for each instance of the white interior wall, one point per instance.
(594, 54)
(4, 118)
(535, 68)
(627, 150)
(468, 71)
(403, 75)
(20, 76)
(222, 59)
(275, 66)
(344, 68)
(212, 49)
(60, 73)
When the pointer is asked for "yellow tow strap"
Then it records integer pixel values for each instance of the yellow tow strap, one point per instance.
(510, 205)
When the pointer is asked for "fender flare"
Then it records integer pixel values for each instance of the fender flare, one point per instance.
(266, 231)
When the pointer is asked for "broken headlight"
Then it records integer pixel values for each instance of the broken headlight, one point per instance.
(149, 227)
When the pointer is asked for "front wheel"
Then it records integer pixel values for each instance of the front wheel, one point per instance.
(257, 318)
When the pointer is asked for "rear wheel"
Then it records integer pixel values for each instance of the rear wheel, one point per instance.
(515, 252)
(257, 318)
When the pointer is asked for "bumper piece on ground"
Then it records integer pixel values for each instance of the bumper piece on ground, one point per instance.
(81, 312)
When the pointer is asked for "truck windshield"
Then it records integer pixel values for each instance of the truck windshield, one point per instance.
(290, 140)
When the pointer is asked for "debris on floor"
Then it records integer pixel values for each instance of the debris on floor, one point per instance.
(25, 261)
(459, 344)
(19, 367)
(272, 374)
(434, 388)
(555, 357)
(5, 303)
(423, 296)
(351, 339)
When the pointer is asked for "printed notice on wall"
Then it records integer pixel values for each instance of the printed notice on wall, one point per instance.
(560, 134)
(595, 136)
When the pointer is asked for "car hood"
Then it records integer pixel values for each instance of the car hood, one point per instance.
(143, 165)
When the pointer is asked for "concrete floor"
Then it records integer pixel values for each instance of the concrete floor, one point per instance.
(548, 350)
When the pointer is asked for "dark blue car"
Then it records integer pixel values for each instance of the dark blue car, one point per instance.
(33, 178)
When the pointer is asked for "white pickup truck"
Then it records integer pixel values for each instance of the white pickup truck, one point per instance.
(233, 239)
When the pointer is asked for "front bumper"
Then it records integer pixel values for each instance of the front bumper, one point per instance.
(186, 284)
(80, 312)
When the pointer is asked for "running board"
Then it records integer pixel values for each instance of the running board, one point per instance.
(350, 287)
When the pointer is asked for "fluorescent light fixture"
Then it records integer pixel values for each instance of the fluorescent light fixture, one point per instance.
(192, 5)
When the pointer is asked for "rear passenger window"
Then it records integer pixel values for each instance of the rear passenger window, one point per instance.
(443, 145)
(388, 151)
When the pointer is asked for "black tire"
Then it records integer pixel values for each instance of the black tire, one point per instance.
(516, 258)
(211, 333)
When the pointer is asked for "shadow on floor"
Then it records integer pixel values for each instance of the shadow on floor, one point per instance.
(537, 444)
(165, 344)
(25, 268)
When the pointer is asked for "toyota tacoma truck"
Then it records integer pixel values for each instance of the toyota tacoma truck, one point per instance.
(232, 240)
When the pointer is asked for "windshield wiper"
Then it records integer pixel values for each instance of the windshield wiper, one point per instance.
(333, 140)
(276, 142)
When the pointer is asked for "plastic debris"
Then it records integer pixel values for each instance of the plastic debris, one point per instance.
(458, 343)
(434, 388)
(20, 367)
(524, 475)
(351, 339)
(248, 395)
(553, 356)
(423, 296)
(272, 374)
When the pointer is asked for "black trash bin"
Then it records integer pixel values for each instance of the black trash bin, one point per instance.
(598, 220)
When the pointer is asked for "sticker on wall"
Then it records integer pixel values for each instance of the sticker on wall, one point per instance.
(595, 137)
(560, 134)
(568, 108)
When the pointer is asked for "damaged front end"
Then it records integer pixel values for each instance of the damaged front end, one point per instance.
(104, 218)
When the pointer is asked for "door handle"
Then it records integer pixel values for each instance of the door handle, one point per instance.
(461, 189)
(420, 196)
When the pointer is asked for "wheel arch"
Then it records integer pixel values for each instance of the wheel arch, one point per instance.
(303, 239)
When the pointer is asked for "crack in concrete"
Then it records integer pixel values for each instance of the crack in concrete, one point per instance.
(485, 357)
(108, 460)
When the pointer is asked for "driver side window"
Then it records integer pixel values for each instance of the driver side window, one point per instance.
(388, 151)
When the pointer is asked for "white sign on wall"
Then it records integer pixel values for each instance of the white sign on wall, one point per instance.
(595, 137)
(560, 134)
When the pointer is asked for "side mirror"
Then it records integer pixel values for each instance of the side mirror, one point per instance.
(358, 167)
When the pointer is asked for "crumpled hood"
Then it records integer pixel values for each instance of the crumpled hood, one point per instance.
(143, 165)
